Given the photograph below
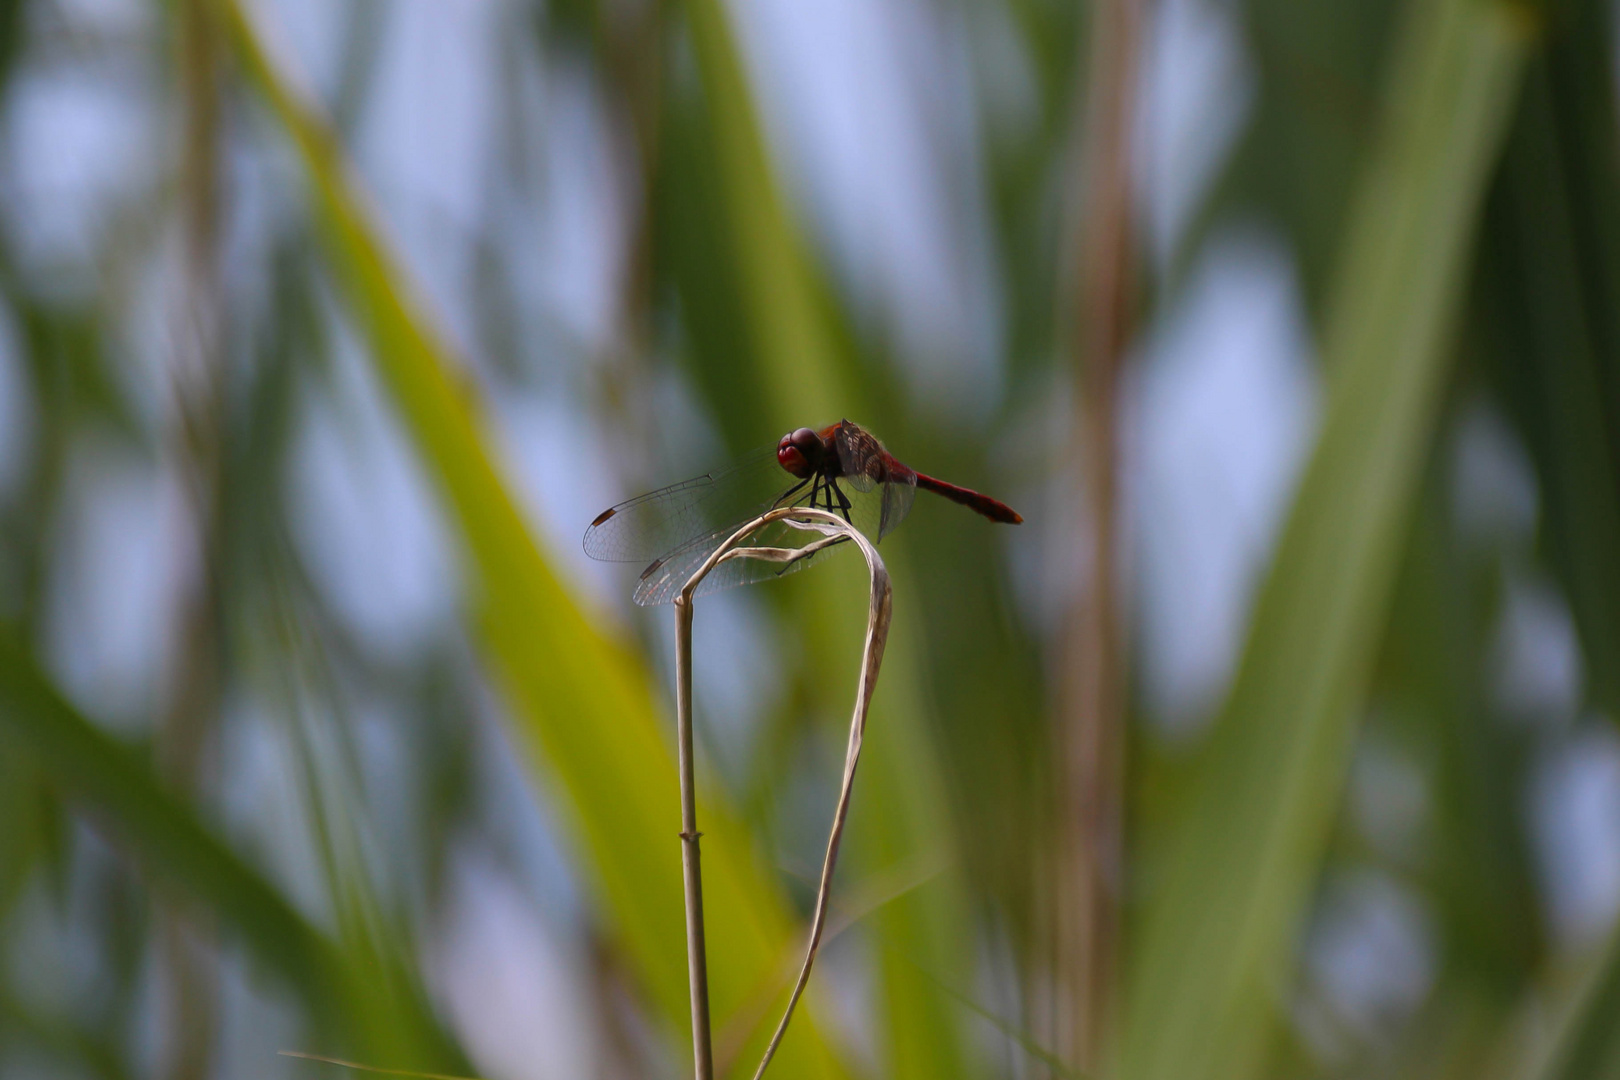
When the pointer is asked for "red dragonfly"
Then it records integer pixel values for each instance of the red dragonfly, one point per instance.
(841, 468)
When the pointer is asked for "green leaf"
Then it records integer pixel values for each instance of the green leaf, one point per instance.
(123, 798)
(793, 344)
(1218, 933)
(582, 703)
(1318, 67)
(804, 372)
(1548, 295)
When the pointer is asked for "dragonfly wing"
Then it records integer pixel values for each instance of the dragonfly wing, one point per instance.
(641, 529)
(664, 578)
(860, 456)
(886, 486)
(663, 581)
(865, 509)
(898, 495)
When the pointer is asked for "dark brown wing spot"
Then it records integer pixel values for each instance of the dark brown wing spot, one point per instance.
(647, 573)
(603, 516)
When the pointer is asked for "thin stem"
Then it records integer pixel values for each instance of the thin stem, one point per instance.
(697, 963)
(835, 530)
(875, 893)
(187, 734)
(1093, 682)
(852, 758)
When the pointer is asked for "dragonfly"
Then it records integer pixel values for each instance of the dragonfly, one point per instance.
(841, 468)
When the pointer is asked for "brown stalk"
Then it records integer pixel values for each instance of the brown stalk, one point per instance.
(697, 957)
(185, 733)
(834, 530)
(1091, 690)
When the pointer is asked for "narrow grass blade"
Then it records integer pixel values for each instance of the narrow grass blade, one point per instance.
(122, 797)
(1551, 283)
(803, 369)
(793, 343)
(1217, 935)
(1548, 300)
(582, 703)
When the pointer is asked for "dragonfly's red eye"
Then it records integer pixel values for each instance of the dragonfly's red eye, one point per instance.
(797, 452)
(788, 456)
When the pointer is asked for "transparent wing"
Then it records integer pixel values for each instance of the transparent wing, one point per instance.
(898, 493)
(860, 456)
(867, 467)
(672, 531)
(659, 522)
(664, 579)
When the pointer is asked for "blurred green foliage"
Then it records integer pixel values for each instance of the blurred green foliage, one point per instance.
(1445, 175)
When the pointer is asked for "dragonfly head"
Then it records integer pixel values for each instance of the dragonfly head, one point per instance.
(800, 452)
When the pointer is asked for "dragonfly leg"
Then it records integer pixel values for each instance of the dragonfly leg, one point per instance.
(810, 549)
(783, 498)
(843, 500)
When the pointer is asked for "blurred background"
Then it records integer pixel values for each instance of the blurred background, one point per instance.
(1279, 740)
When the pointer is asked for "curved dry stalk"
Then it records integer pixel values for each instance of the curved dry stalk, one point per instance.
(872, 894)
(834, 530)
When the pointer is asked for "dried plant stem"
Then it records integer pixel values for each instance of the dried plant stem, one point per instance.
(697, 963)
(1092, 683)
(834, 530)
(186, 734)
(874, 894)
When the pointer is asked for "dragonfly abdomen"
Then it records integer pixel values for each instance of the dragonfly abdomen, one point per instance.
(994, 509)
